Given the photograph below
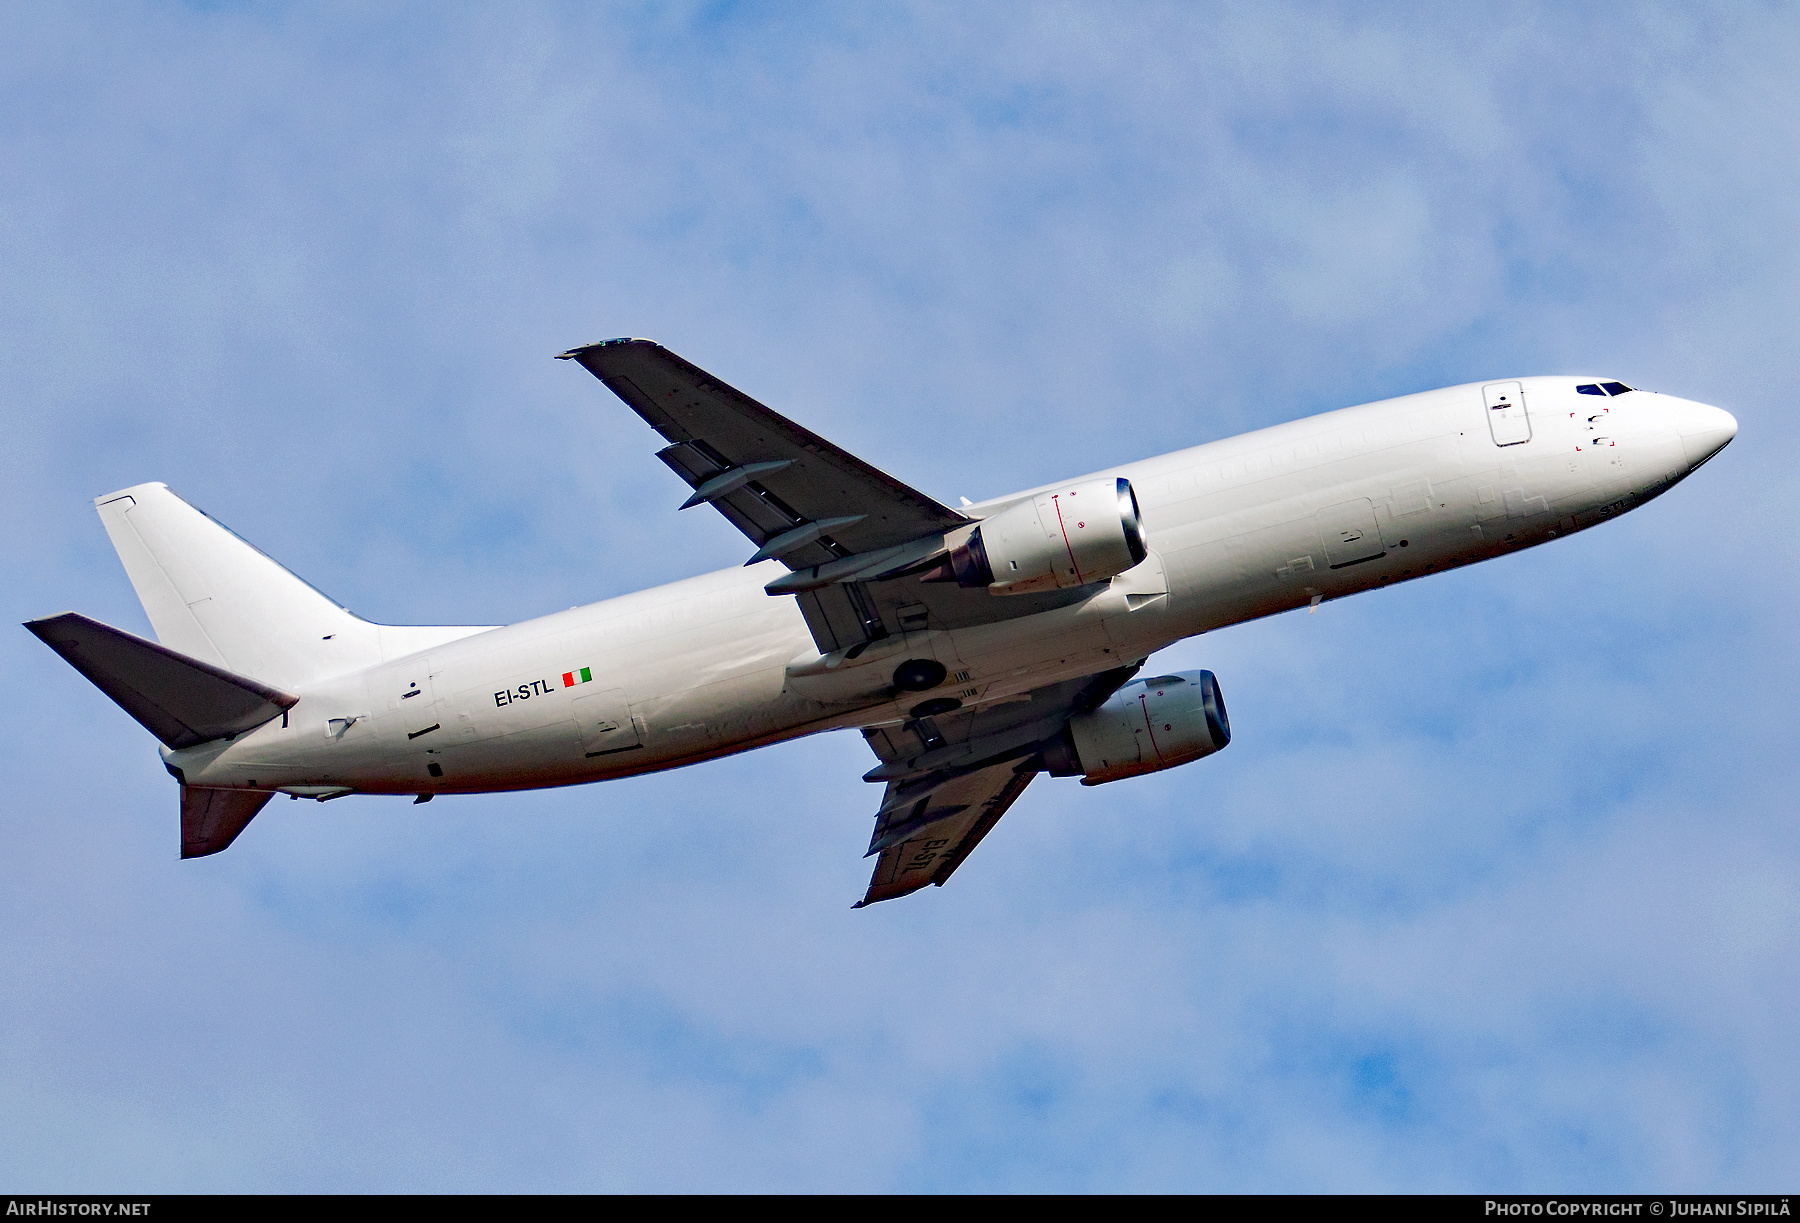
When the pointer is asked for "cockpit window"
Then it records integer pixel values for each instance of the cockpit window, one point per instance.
(1589, 388)
(1615, 388)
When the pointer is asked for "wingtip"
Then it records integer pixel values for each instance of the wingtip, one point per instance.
(576, 352)
(43, 624)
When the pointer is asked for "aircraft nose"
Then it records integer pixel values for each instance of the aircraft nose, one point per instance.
(1704, 430)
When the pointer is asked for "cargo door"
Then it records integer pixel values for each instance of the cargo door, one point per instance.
(605, 722)
(1350, 534)
(1507, 419)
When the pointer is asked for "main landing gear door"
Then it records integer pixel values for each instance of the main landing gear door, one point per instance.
(606, 722)
(1506, 415)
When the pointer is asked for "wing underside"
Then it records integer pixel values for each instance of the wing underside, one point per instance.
(769, 476)
(940, 830)
(950, 778)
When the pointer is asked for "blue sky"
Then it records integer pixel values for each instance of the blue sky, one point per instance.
(1495, 888)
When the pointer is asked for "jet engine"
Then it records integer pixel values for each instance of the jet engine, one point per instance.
(1146, 726)
(1070, 536)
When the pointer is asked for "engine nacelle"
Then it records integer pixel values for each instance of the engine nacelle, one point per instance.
(1146, 726)
(1070, 536)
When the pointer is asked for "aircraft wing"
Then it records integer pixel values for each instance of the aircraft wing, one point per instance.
(805, 502)
(944, 829)
(950, 778)
(773, 479)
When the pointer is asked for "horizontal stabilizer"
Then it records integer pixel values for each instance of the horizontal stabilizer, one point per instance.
(180, 700)
(211, 819)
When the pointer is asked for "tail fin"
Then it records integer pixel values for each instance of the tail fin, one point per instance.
(214, 597)
(211, 819)
(180, 700)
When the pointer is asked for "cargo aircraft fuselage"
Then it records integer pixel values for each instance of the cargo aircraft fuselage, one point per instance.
(973, 648)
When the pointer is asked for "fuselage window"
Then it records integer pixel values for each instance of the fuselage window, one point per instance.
(1615, 388)
(1589, 388)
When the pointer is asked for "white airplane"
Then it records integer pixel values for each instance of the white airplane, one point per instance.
(973, 648)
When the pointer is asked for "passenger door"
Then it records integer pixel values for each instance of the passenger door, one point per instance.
(1507, 418)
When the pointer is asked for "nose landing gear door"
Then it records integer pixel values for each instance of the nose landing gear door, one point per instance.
(1507, 419)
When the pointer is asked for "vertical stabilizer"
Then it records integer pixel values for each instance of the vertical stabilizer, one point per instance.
(214, 597)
